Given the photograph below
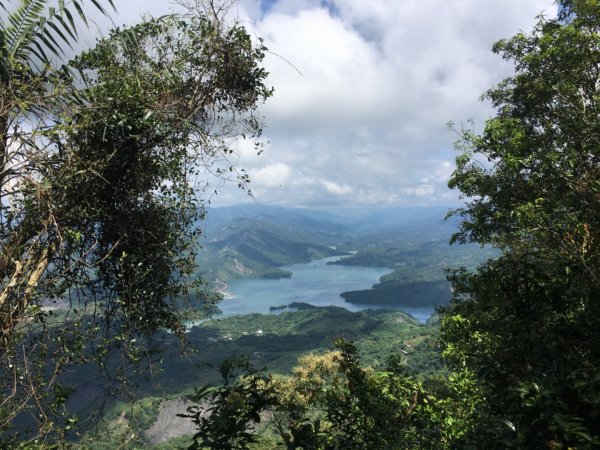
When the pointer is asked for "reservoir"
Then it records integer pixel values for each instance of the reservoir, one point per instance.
(316, 283)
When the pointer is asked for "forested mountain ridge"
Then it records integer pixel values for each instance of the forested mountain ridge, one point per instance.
(418, 271)
(256, 240)
(219, 220)
(253, 241)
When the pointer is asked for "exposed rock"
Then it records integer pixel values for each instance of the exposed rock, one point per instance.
(168, 425)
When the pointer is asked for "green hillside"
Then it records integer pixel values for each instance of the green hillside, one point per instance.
(419, 255)
(256, 240)
(254, 243)
(271, 341)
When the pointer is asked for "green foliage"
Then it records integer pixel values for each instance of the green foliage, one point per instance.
(419, 261)
(417, 293)
(286, 336)
(391, 409)
(34, 31)
(225, 415)
(99, 186)
(527, 321)
(376, 410)
(332, 402)
(122, 426)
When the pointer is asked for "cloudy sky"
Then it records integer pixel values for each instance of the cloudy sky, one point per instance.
(364, 90)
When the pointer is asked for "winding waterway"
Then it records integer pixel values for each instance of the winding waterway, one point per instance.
(316, 283)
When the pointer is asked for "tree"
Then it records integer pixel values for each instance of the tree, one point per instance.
(527, 322)
(332, 401)
(31, 89)
(225, 416)
(104, 160)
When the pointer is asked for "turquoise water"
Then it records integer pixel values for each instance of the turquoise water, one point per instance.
(316, 283)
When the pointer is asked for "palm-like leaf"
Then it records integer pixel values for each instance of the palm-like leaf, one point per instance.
(21, 24)
(34, 32)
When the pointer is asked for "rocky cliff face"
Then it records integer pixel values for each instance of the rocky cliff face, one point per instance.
(168, 425)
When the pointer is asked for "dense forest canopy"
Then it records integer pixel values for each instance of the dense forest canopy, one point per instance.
(527, 322)
(102, 160)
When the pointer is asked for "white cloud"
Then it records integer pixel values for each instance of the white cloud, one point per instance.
(272, 175)
(379, 81)
(422, 190)
(336, 189)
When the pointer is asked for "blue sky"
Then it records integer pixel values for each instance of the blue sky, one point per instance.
(363, 92)
(266, 5)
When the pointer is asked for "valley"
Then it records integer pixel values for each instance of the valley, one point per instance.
(291, 283)
(410, 246)
(270, 341)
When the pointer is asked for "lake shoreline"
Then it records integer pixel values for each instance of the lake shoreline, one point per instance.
(317, 283)
(223, 288)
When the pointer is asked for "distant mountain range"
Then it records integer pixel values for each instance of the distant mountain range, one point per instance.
(254, 241)
(257, 240)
